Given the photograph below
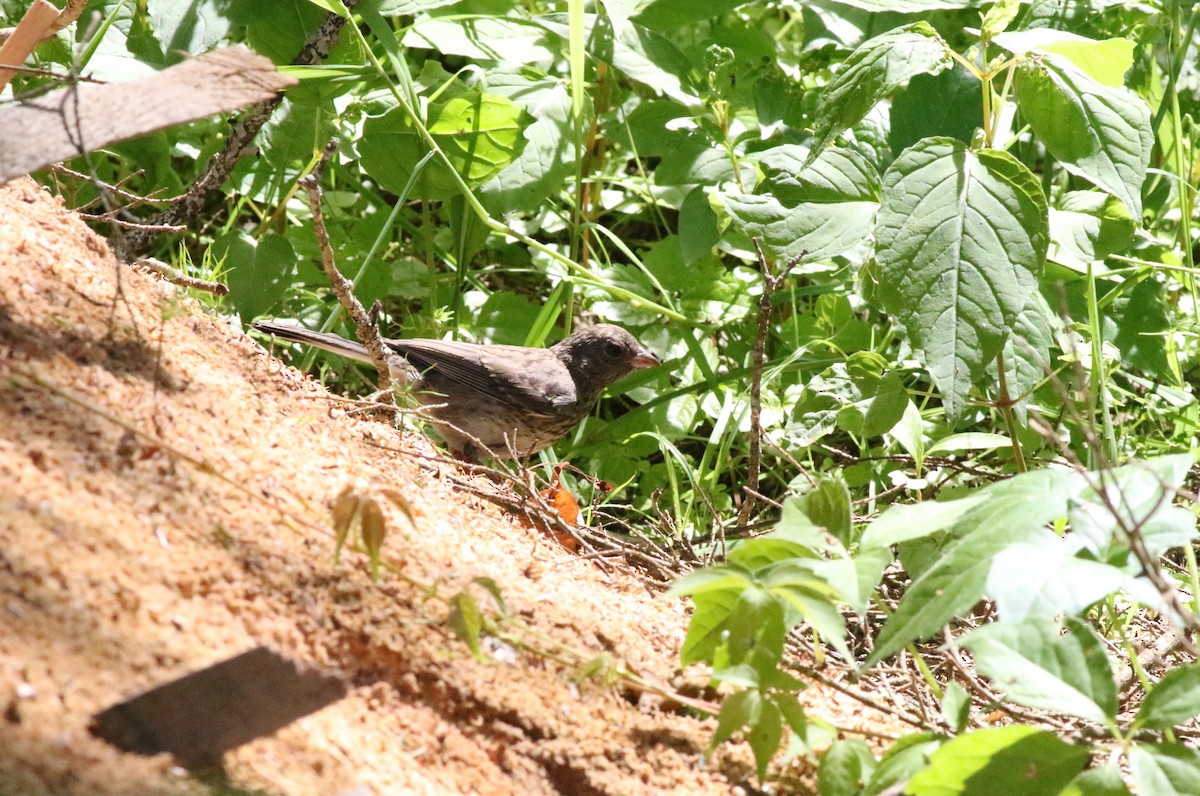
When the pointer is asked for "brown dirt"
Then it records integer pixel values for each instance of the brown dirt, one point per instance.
(164, 504)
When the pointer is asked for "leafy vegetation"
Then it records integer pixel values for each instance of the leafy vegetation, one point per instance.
(978, 399)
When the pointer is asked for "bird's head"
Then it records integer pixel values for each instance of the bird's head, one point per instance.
(601, 354)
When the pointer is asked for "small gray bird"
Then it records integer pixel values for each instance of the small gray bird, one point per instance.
(494, 400)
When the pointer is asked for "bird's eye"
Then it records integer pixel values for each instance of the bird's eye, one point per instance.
(614, 349)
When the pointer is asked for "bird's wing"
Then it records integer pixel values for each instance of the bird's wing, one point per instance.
(529, 379)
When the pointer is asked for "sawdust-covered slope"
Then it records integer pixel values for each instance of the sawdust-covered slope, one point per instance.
(164, 504)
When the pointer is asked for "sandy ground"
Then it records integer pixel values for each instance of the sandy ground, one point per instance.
(165, 493)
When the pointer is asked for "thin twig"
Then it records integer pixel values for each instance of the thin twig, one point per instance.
(177, 277)
(238, 143)
(385, 362)
(770, 283)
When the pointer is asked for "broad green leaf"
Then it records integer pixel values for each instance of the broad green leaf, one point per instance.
(1010, 512)
(1039, 667)
(547, 158)
(1173, 700)
(333, 7)
(397, 8)
(669, 16)
(905, 6)
(1089, 226)
(764, 737)
(845, 768)
(910, 433)
(1104, 781)
(1026, 353)
(956, 707)
(970, 441)
(902, 760)
(1002, 761)
(479, 133)
(259, 271)
(855, 577)
(960, 242)
(1141, 493)
(702, 581)
(184, 29)
(698, 231)
(1046, 580)
(467, 621)
(641, 54)
(900, 523)
(871, 73)
(1106, 61)
(1165, 769)
(704, 632)
(999, 17)
(737, 711)
(827, 504)
(947, 589)
(823, 209)
(501, 39)
(949, 104)
(1097, 132)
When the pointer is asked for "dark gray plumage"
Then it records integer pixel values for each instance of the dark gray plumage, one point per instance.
(494, 400)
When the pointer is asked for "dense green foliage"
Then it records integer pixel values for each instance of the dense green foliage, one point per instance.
(989, 216)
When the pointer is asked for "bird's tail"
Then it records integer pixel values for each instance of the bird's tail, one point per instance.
(328, 342)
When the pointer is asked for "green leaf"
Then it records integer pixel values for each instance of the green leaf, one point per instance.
(479, 133)
(1088, 226)
(738, 710)
(668, 16)
(467, 621)
(1173, 700)
(698, 231)
(1165, 769)
(1046, 579)
(827, 504)
(643, 55)
(259, 271)
(764, 737)
(845, 769)
(1105, 61)
(961, 238)
(900, 523)
(854, 578)
(998, 18)
(1039, 667)
(872, 72)
(1026, 352)
(184, 29)
(716, 592)
(949, 104)
(910, 433)
(1012, 512)
(1103, 781)
(901, 761)
(1097, 132)
(822, 210)
(485, 38)
(999, 762)
(970, 441)
(956, 706)
(548, 157)
(1141, 493)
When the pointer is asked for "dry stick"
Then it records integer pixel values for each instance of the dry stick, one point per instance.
(343, 288)
(237, 144)
(68, 15)
(177, 277)
(770, 283)
(33, 27)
